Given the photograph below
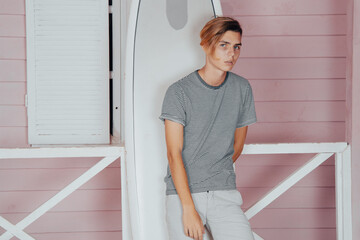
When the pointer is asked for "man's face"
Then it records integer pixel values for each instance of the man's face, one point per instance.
(226, 51)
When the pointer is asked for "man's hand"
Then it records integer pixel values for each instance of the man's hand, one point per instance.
(193, 225)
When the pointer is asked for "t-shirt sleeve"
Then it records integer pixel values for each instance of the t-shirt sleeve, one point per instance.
(173, 107)
(247, 114)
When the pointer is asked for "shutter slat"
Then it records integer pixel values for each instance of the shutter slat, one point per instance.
(68, 71)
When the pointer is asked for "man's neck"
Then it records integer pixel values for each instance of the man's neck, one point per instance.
(213, 77)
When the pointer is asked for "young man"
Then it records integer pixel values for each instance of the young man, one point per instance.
(206, 115)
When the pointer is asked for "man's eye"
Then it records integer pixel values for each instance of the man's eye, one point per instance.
(222, 45)
(237, 47)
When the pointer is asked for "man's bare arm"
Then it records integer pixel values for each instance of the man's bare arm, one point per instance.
(193, 226)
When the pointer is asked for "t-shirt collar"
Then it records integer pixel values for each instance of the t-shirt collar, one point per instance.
(210, 86)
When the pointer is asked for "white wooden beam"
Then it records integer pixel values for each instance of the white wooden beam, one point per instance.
(61, 195)
(290, 148)
(14, 230)
(343, 195)
(287, 183)
(57, 152)
(339, 199)
(347, 212)
(117, 70)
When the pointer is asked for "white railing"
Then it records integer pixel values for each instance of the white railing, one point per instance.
(112, 152)
(109, 153)
(323, 151)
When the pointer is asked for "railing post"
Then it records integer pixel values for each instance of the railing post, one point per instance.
(338, 193)
(347, 193)
(343, 194)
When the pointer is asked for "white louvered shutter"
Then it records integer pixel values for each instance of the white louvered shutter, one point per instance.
(68, 71)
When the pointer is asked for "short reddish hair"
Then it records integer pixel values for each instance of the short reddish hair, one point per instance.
(215, 29)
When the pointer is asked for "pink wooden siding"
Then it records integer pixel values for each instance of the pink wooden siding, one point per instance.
(294, 55)
(94, 211)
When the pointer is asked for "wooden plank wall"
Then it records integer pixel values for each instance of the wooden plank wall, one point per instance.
(294, 55)
(91, 213)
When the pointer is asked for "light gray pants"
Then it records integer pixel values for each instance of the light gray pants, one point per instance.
(220, 212)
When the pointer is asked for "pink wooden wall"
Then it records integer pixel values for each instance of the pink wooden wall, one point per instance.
(91, 213)
(294, 55)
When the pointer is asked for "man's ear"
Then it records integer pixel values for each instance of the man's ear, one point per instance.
(205, 49)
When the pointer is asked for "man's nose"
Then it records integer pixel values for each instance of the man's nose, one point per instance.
(231, 52)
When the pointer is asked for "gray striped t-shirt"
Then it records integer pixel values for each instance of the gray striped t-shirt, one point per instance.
(210, 115)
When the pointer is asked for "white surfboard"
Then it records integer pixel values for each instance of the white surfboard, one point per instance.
(162, 47)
